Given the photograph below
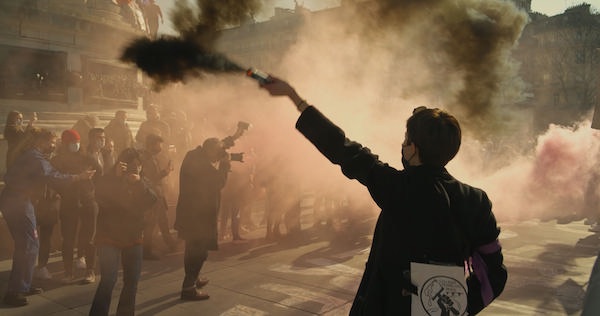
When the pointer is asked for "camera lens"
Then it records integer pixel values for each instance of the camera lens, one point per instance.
(236, 157)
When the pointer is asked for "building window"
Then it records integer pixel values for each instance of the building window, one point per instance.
(106, 81)
(33, 74)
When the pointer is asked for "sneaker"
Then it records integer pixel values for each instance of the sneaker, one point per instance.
(80, 263)
(15, 299)
(90, 277)
(34, 291)
(42, 273)
(193, 295)
(201, 282)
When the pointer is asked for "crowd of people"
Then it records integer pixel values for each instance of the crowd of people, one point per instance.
(431, 226)
(109, 191)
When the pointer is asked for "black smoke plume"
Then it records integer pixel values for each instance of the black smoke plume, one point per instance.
(173, 59)
(469, 41)
(191, 54)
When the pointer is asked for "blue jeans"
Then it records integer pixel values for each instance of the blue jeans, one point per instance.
(20, 219)
(109, 256)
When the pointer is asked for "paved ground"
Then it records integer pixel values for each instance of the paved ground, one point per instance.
(318, 273)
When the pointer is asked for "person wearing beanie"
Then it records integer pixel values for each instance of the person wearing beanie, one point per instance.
(70, 159)
(70, 136)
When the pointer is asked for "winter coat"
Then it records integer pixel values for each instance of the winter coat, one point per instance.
(426, 216)
(121, 210)
(26, 180)
(200, 184)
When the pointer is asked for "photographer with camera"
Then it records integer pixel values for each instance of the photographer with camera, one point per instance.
(123, 198)
(203, 174)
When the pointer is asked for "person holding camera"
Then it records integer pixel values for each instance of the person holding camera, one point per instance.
(203, 174)
(429, 221)
(123, 199)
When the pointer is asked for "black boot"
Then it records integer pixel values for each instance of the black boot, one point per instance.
(15, 299)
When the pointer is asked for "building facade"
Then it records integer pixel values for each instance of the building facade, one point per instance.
(561, 64)
(65, 53)
(558, 55)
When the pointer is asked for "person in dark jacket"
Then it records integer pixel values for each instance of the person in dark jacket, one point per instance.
(200, 184)
(119, 131)
(25, 181)
(123, 198)
(75, 201)
(427, 216)
(203, 174)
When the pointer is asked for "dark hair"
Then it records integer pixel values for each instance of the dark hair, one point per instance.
(128, 155)
(210, 143)
(11, 120)
(95, 131)
(436, 134)
(42, 135)
(152, 139)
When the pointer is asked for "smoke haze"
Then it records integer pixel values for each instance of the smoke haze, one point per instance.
(174, 59)
(368, 67)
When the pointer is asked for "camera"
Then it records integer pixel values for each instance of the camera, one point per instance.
(236, 157)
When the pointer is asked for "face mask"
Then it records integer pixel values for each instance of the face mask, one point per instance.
(19, 122)
(73, 147)
(405, 162)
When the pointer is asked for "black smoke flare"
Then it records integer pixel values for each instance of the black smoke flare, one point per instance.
(192, 54)
(172, 59)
